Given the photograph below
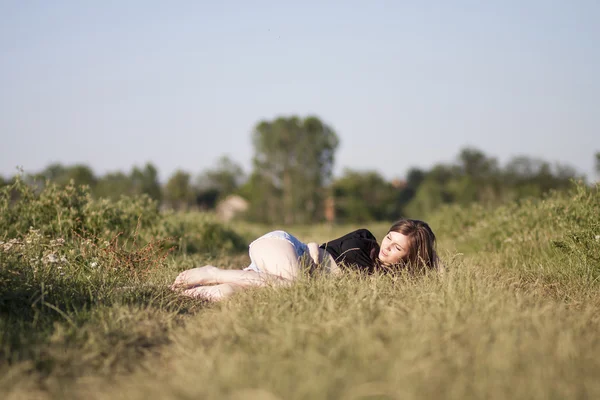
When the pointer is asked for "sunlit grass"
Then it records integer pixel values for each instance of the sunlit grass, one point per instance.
(515, 315)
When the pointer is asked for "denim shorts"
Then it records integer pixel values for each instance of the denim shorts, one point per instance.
(300, 248)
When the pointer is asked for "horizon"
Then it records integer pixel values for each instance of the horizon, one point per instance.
(116, 86)
(162, 180)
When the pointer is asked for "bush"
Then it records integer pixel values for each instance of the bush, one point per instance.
(67, 211)
(201, 233)
(64, 256)
(562, 226)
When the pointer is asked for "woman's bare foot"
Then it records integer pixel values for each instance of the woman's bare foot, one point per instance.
(211, 293)
(194, 277)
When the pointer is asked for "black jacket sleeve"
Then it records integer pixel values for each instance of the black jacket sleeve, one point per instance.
(353, 249)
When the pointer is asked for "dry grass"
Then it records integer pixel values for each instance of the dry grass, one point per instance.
(515, 316)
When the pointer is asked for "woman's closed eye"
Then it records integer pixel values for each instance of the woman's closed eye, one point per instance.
(397, 247)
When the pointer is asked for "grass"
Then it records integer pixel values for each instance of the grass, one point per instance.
(516, 314)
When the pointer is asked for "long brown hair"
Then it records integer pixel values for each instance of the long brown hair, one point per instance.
(421, 253)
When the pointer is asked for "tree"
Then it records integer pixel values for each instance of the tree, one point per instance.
(113, 185)
(414, 178)
(477, 178)
(139, 181)
(178, 191)
(526, 176)
(225, 178)
(428, 197)
(80, 175)
(597, 162)
(475, 164)
(217, 183)
(264, 198)
(433, 191)
(145, 181)
(365, 196)
(55, 172)
(293, 163)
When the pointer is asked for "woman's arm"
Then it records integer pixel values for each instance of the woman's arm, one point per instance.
(322, 259)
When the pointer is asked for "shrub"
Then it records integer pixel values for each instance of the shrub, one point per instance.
(66, 211)
(201, 233)
(563, 227)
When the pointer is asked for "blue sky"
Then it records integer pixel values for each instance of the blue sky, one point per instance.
(114, 84)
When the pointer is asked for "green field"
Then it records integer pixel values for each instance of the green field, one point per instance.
(86, 313)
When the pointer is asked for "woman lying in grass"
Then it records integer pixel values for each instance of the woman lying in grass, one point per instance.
(278, 258)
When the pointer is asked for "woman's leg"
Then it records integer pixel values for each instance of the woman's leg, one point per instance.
(213, 293)
(277, 257)
(271, 255)
(210, 275)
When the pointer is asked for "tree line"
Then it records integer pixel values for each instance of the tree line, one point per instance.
(291, 180)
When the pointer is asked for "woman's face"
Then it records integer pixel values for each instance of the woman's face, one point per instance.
(394, 247)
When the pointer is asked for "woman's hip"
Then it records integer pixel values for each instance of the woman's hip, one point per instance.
(299, 247)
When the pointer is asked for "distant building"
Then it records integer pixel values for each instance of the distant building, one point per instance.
(231, 207)
(398, 183)
(330, 209)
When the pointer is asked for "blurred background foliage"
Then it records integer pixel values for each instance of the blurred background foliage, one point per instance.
(291, 181)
